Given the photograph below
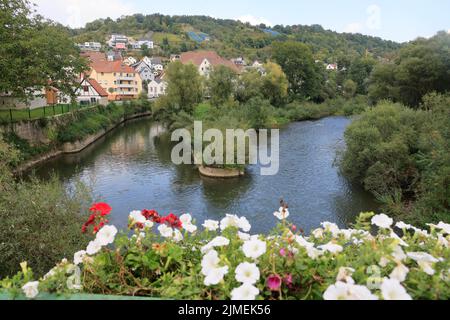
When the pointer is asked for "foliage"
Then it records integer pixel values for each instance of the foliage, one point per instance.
(298, 64)
(223, 262)
(35, 53)
(421, 67)
(274, 84)
(401, 155)
(221, 84)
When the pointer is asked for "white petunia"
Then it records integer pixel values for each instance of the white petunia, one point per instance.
(244, 225)
(93, 247)
(215, 276)
(331, 247)
(211, 225)
(443, 241)
(236, 222)
(148, 224)
(106, 235)
(391, 289)
(78, 257)
(282, 214)
(424, 260)
(384, 262)
(247, 273)
(186, 218)
(302, 242)
(210, 261)
(398, 254)
(165, 231)
(244, 236)
(331, 227)
(444, 227)
(191, 228)
(346, 291)
(382, 221)
(345, 275)
(177, 236)
(186, 221)
(216, 242)
(400, 240)
(318, 233)
(254, 248)
(399, 273)
(30, 289)
(403, 226)
(313, 253)
(137, 217)
(245, 292)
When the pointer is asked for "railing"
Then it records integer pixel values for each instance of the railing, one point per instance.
(17, 115)
(125, 78)
(90, 297)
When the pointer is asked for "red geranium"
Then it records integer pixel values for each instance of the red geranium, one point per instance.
(151, 215)
(97, 218)
(172, 220)
(103, 208)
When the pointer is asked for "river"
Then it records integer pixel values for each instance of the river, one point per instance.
(130, 168)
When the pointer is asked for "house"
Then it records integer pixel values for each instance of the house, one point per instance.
(205, 61)
(40, 98)
(121, 82)
(140, 43)
(91, 92)
(120, 46)
(240, 61)
(156, 64)
(117, 39)
(332, 66)
(144, 70)
(259, 67)
(114, 56)
(130, 61)
(174, 57)
(90, 46)
(157, 87)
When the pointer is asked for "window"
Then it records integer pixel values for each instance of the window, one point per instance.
(85, 88)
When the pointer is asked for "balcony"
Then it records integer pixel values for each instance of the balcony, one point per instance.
(126, 85)
(125, 78)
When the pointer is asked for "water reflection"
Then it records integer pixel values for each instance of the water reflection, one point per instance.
(131, 169)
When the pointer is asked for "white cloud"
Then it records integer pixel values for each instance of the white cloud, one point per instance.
(255, 21)
(76, 13)
(354, 27)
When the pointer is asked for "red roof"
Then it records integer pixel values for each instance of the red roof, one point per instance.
(111, 66)
(197, 57)
(97, 87)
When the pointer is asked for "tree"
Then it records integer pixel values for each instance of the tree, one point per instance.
(420, 68)
(184, 88)
(35, 53)
(221, 84)
(359, 72)
(275, 84)
(350, 88)
(249, 85)
(298, 64)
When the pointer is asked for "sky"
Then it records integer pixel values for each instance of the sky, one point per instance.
(398, 20)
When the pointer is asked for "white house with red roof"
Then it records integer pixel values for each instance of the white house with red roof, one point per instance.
(91, 92)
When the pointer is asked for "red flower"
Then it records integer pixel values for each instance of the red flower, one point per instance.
(101, 207)
(172, 220)
(274, 283)
(288, 280)
(151, 215)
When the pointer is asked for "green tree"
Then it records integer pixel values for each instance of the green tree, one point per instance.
(349, 88)
(35, 53)
(249, 85)
(275, 84)
(298, 64)
(221, 84)
(184, 89)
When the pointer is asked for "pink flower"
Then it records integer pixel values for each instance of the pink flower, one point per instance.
(283, 252)
(274, 283)
(288, 280)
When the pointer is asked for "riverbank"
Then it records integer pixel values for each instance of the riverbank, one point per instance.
(41, 140)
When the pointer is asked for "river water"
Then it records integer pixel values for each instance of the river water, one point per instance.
(130, 168)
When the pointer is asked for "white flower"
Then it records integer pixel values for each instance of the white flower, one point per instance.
(148, 224)
(247, 273)
(215, 276)
(444, 227)
(303, 243)
(398, 254)
(313, 253)
(331, 247)
(93, 247)
(382, 221)
(345, 291)
(211, 225)
(216, 242)
(254, 248)
(423, 233)
(282, 214)
(424, 260)
(106, 235)
(244, 236)
(331, 227)
(78, 257)
(30, 289)
(391, 289)
(210, 261)
(402, 225)
(245, 292)
(177, 236)
(345, 275)
(229, 221)
(399, 273)
(186, 221)
(165, 231)
(136, 217)
(244, 225)
(400, 240)
(318, 233)
(384, 262)
(443, 241)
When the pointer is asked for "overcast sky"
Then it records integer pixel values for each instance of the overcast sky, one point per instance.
(398, 20)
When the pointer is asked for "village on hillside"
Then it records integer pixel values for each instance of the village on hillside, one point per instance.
(119, 72)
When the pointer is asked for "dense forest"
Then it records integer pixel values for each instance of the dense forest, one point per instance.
(233, 38)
